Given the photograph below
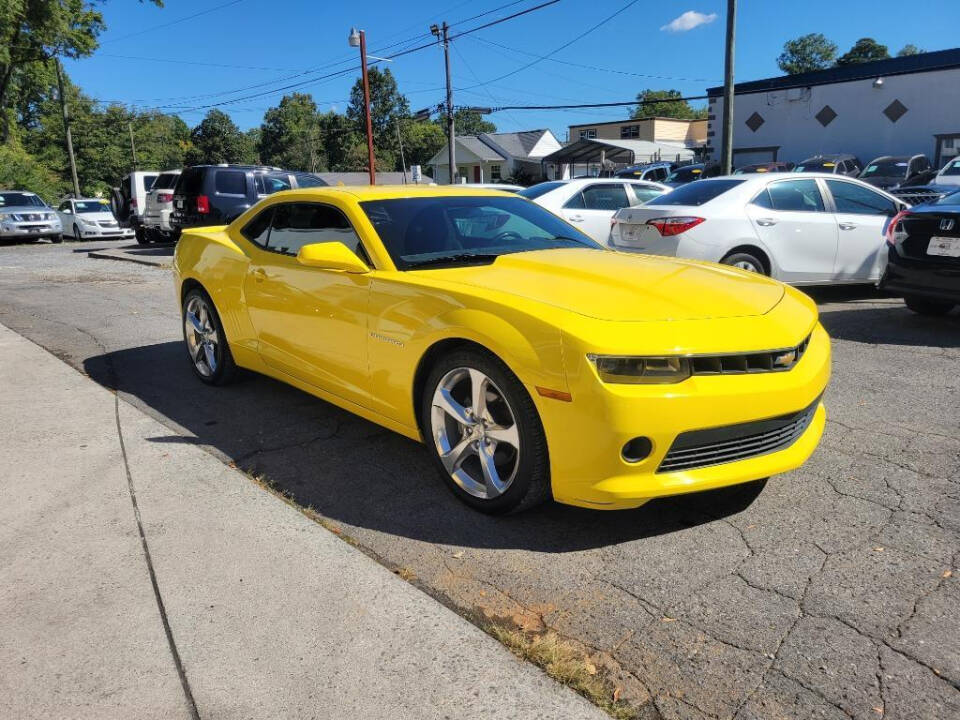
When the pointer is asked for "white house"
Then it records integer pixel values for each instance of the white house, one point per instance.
(901, 106)
(490, 157)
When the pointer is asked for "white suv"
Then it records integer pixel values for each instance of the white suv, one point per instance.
(129, 199)
(157, 209)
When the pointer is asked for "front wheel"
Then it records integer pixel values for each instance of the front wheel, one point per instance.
(140, 233)
(76, 232)
(745, 261)
(485, 434)
(57, 239)
(925, 306)
(207, 347)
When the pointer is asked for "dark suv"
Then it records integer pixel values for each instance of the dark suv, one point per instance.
(218, 194)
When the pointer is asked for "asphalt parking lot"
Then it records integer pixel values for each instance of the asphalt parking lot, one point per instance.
(831, 593)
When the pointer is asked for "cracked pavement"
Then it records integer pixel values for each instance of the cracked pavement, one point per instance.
(831, 593)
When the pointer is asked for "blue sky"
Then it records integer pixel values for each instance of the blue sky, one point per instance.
(272, 43)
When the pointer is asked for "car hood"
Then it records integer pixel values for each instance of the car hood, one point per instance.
(615, 286)
(97, 217)
(24, 209)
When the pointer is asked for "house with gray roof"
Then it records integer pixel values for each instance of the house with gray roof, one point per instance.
(492, 157)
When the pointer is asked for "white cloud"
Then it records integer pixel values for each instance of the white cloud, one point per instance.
(688, 21)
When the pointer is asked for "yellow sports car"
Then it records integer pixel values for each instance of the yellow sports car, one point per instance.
(530, 360)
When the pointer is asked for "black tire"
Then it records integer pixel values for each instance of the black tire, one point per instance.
(925, 306)
(57, 239)
(225, 370)
(743, 259)
(530, 484)
(76, 232)
(140, 233)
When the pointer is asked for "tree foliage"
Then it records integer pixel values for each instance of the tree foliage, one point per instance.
(864, 50)
(674, 107)
(467, 122)
(909, 49)
(290, 135)
(806, 54)
(217, 139)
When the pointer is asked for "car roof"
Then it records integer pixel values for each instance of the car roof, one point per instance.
(390, 192)
(90, 199)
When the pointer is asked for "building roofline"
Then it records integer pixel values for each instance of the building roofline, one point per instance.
(924, 62)
(636, 120)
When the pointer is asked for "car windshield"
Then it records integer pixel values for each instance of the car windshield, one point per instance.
(535, 191)
(685, 174)
(816, 166)
(20, 199)
(886, 168)
(166, 181)
(695, 193)
(91, 206)
(952, 168)
(462, 230)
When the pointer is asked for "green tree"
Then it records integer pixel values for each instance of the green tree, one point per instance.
(290, 135)
(673, 108)
(421, 141)
(387, 106)
(339, 136)
(217, 139)
(864, 50)
(909, 49)
(467, 122)
(806, 54)
(19, 169)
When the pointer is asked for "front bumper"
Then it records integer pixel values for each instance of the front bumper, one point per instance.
(586, 436)
(159, 219)
(934, 279)
(20, 231)
(113, 233)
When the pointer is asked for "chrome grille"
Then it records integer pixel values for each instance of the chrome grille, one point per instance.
(702, 448)
(918, 197)
(767, 361)
(107, 224)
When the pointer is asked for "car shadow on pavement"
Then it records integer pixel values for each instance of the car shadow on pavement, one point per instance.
(892, 325)
(352, 471)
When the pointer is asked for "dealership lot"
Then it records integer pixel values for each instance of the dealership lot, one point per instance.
(832, 593)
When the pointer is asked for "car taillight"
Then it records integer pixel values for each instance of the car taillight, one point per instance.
(892, 227)
(164, 197)
(133, 202)
(203, 204)
(668, 226)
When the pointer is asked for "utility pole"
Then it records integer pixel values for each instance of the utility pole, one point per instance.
(359, 39)
(133, 146)
(726, 157)
(66, 128)
(444, 33)
(403, 161)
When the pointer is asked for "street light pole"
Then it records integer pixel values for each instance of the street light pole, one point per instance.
(66, 128)
(359, 39)
(443, 33)
(726, 157)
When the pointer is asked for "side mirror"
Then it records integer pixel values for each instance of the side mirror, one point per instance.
(331, 256)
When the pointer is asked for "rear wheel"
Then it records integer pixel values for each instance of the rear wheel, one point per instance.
(925, 306)
(485, 434)
(57, 239)
(140, 233)
(207, 347)
(745, 261)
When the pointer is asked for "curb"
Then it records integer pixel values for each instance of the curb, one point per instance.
(116, 255)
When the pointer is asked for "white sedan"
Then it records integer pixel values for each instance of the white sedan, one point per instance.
(809, 230)
(89, 218)
(589, 203)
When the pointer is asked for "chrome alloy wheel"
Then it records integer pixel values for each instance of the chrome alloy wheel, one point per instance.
(746, 265)
(475, 432)
(201, 336)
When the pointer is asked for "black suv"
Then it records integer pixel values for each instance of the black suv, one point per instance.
(218, 194)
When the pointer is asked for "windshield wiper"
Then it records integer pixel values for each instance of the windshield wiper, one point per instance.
(456, 258)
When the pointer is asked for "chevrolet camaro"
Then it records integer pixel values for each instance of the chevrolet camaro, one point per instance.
(531, 361)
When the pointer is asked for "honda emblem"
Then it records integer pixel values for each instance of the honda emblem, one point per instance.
(946, 224)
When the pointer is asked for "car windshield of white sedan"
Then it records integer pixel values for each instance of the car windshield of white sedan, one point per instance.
(91, 206)
(20, 199)
(951, 169)
(451, 230)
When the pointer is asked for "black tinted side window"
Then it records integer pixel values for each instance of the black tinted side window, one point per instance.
(796, 196)
(231, 182)
(850, 198)
(299, 224)
(763, 200)
(608, 196)
(257, 230)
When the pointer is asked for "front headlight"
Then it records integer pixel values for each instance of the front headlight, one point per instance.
(8, 216)
(641, 370)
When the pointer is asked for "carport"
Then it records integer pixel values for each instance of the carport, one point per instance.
(613, 154)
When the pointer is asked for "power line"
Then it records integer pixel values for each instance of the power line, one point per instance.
(600, 105)
(172, 22)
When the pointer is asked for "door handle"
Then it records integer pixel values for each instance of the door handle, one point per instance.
(576, 218)
(848, 226)
(259, 275)
(766, 222)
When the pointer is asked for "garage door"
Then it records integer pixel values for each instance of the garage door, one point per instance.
(749, 157)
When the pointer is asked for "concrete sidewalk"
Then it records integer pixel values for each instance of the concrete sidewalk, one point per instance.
(268, 614)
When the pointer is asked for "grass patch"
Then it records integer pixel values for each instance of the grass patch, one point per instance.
(566, 664)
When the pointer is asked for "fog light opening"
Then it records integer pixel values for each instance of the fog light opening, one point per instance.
(637, 449)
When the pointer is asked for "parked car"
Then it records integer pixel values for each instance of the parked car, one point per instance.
(25, 216)
(654, 172)
(816, 229)
(129, 200)
(835, 164)
(531, 362)
(892, 171)
(923, 261)
(946, 182)
(89, 219)
(494, 186)
(768, 167)
(685, 174)
(158, 208)
(217, 194)
(589, 204)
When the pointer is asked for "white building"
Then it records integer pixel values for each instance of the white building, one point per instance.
(901, 106)
(491, 157)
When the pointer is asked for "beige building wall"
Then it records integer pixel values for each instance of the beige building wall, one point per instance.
(652, 129)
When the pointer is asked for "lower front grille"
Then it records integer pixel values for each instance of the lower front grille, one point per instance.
(702, 448)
